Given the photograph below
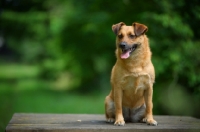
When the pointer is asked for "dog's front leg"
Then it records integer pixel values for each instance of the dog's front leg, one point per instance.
(148, 94)
(119, 120)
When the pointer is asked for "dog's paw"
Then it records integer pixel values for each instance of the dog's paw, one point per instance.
(119, 123)
(151, 122)
(110, 120)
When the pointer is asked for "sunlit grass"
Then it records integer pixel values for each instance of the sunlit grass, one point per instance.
(13, 71)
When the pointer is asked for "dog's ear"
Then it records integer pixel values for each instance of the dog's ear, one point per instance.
(139, 28)
(117, 27)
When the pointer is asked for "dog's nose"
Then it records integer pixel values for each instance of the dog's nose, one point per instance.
(122, 45)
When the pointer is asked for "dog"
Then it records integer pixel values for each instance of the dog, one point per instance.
(132, 77)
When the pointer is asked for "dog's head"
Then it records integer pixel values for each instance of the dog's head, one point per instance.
(129, 38)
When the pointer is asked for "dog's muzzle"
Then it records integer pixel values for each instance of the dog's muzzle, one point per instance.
(127, 49)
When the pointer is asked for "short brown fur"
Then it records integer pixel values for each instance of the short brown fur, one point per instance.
(132, 78)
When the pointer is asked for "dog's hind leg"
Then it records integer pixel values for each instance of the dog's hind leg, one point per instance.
(109, 109)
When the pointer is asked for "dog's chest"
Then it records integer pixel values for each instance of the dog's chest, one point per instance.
(134, 82)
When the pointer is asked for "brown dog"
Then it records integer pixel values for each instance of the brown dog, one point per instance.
(132, 77)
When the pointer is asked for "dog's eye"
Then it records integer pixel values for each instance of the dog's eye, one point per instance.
(132, 36)
(120, 36)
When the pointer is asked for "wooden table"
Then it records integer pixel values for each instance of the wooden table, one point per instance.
(22, 122)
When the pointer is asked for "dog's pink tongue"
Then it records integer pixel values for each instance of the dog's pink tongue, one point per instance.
(125, 55)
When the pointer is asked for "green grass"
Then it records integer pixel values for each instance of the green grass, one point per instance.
(57, 102)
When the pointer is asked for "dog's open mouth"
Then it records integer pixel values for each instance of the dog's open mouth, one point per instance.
(126, 52)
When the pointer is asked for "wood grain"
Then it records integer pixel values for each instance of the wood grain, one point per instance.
(22, 122)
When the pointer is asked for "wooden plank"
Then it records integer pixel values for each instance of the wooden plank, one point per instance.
(22, 122)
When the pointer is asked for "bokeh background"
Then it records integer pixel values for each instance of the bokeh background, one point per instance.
(56, 55)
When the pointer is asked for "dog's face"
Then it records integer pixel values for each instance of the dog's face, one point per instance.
(129, 39)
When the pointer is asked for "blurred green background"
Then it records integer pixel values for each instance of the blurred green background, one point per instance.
(56, 55)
